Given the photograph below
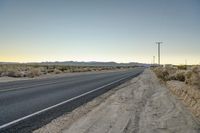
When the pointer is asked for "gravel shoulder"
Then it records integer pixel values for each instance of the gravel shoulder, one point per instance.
(141, 105)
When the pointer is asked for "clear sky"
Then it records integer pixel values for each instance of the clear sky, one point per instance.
(99, 30)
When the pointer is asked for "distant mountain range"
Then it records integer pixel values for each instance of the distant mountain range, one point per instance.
(94, 63)
(76, 63)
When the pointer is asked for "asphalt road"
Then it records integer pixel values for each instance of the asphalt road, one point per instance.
(22, 98)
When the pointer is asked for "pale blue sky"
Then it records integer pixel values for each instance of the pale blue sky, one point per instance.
(99, 30)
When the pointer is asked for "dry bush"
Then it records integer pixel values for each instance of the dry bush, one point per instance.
(10, 71)
(182, 67)
(195, 80)
(1, 71)
(193, 77)
(50, 70)
(43, 70)
(195, 69)
(57, 71)
(161, 73)
(180, 76)
(171, 70)
(33, 70)
(172, 76)
(13, 74)
(33, 73)
(170, 73)
(63, 68)
(87, 69)
(188, 75)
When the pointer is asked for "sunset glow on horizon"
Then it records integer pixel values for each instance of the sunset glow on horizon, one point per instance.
(92, 30)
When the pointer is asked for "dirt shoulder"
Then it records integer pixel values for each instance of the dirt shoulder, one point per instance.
(141, 105)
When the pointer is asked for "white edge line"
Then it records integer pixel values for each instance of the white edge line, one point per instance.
(54, 106)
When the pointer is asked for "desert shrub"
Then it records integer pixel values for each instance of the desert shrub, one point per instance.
(1, 71)
(87, 69)
(61, 68)
(33, 73)
(196, 69)
(57, 71)
(4, 74)
(182, 67)
(35, 69)
(50, 70)
(172, 77)
(170, 73)
(188, 75)
(171, 70)
(13, 74)
(66, 71)
(43, 70)
(193, 77)
(77, 69)
(195, 80)
(180, 76)
(161, 73)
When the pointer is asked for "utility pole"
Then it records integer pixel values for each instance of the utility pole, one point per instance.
(159, 51)
(154, 60)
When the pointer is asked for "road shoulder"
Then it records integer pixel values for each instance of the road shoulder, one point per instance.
(141, 105)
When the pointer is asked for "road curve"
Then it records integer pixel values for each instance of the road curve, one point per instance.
(22, 100)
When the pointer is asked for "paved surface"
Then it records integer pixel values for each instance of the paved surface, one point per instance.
(22, 98)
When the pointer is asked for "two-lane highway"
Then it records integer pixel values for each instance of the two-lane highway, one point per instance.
(21, 100)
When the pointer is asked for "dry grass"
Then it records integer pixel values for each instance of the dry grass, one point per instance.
(188, 91)
(57, 71)
(34, 70)
(193, 78)
(190, 76)
(182, 67)
(161, 73)
(185, 84)
(34, 73)
(180, 76)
